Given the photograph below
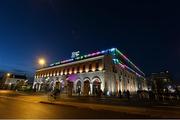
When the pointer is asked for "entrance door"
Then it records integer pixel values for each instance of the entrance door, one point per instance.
(86, 88)
(96, 87)
(57, 86)
(70, 88)
(78, 88)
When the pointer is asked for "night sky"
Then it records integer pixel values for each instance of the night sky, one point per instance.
(146, 32)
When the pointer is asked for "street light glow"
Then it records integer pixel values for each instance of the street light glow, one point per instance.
(8, 74)
(42, 61)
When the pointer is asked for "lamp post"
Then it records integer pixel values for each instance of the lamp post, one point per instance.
(7, 77)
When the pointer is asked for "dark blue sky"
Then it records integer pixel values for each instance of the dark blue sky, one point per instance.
(147, 32)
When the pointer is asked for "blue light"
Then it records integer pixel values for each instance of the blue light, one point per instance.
(112, 49)
(103, 51)
(51, 64)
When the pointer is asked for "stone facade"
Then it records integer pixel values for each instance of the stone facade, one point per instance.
(89, 75)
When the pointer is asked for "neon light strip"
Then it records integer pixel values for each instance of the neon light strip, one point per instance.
(81, 57)
(129, 61)
(124, 66)
(98, 53)
(116, 61)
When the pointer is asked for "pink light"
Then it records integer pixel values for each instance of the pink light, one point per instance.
(121, 65)
(98, 53)
(93, 54)
(124, 66)
(89, 55)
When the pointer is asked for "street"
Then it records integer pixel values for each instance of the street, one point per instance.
(14, 104)
(20, 109)
(11, 108)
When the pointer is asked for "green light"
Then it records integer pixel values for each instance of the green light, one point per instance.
(77, 58)
(57, 63)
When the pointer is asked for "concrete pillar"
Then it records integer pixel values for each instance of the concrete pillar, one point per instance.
(33, 85)
(39, 87)
(91, 88)
(82, 87)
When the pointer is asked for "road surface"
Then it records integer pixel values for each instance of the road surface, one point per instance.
(11, 108)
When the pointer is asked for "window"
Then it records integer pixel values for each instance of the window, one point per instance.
(97, 65)
(68, 70)
(84, 68)
(73, 70)
(119, 78)
(78, 69)
(90, 67)
(63, 71)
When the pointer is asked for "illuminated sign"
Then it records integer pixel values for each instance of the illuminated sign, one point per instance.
(75, 54)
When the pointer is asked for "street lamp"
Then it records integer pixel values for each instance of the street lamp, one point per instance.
(8, 74)
(42, 62)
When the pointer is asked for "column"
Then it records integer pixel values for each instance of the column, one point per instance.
(91, 88)
(33, 85)
(39, 87)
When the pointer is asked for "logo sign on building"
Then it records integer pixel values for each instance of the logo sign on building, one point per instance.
(75, 54)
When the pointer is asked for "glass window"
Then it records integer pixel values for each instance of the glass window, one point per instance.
(90, 67)
(78, 69)
(63, 71)
(84, 68)
(97, 65)
(68, 70)
(73, 70)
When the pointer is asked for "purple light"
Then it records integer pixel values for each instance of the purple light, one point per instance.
(72, 77)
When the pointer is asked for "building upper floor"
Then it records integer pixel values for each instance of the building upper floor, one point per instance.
(105, 60)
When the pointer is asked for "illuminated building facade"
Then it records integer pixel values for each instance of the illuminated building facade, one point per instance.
(108, 70)
(14, 81)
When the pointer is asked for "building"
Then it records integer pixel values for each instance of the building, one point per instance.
(160, 82)
(14, 81)
(108, 70)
